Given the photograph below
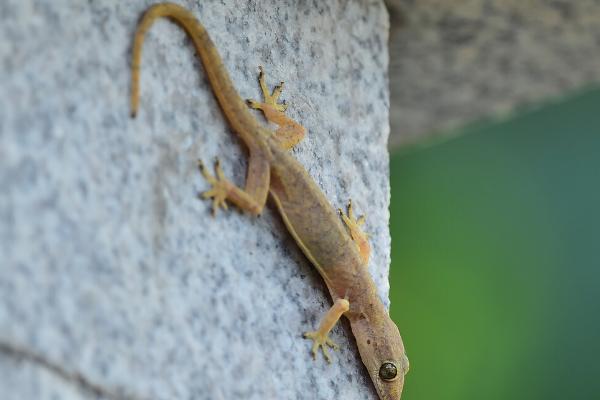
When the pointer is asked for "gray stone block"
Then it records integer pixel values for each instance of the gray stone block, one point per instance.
(115, 281)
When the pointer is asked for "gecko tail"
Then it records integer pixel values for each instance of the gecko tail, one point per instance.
(235, 109)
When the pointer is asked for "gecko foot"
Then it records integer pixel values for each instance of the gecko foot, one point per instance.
(320, 341)
(358, 236)
(270, 99)
(220, 186)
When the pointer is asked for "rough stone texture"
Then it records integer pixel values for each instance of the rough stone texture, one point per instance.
(115, 281)
(452, 62)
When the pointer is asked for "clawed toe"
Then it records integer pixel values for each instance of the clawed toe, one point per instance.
(320, 341)
(352, 222)
(358, 235)
(270, 99)
(220, 187)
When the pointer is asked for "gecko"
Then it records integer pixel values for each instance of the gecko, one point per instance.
(333, 242)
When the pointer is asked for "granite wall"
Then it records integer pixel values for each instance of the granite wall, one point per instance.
(115, 281)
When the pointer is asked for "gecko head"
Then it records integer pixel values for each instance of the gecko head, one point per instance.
(382, 351)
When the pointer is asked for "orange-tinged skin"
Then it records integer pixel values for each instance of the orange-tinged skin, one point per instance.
(339, 250)
(317, 229)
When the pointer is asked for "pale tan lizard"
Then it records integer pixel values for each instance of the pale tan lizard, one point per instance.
(336, 247)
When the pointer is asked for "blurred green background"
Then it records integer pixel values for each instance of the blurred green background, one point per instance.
(495, 258)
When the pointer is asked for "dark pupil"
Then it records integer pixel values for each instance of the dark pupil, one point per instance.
(388, 371)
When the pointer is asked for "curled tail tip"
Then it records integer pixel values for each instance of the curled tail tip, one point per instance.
(133, 106)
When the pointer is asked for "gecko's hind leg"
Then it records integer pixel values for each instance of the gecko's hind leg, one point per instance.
(289, 133)
(270, 99)
(320, 337)
(358, 236)
(223, 189)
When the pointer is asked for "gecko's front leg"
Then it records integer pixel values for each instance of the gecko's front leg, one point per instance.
(358, 235)
(320, 337)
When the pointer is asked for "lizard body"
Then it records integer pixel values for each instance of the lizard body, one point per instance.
(336, 247)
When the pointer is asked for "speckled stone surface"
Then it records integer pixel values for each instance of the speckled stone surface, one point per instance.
(115, 281)
(452, 62)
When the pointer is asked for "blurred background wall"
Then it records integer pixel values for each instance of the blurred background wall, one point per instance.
(495, 143)
(452, 62)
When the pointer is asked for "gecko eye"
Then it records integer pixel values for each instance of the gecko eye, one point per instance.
(388, 371)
